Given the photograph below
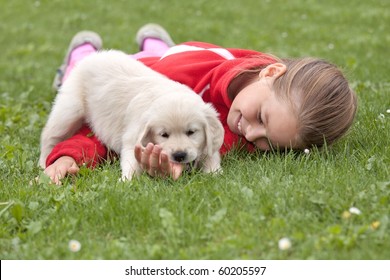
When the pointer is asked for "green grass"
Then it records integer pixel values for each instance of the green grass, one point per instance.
(240, 214)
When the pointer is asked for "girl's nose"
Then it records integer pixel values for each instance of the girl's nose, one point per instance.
(254, 132)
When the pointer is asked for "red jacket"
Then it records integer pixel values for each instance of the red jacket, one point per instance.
(206, 68)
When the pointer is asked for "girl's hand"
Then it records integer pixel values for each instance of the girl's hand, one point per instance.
(156, 162)
(60, 168)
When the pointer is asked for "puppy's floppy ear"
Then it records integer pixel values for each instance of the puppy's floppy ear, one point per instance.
(146, 136)
(214, 130)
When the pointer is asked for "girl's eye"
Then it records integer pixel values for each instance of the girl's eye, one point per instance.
(259, 118)
(164, 135)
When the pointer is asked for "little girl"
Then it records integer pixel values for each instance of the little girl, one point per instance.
(264, 102)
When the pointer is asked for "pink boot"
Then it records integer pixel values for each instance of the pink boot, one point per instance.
(83, 44)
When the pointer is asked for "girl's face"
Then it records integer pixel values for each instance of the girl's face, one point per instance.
(260, 117)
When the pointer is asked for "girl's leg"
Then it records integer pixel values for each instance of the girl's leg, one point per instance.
(83, 44)
(153, 40)
(76, 55)
(152, 47)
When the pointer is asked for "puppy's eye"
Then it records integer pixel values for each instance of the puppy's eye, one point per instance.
(190, 132)
(164, 135)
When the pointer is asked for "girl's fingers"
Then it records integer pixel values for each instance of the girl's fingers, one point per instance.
(156, 162)
(138, 150)
(165, 164)
(145, 158)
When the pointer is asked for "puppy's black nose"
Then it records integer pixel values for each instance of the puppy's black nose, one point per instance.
(179, 156)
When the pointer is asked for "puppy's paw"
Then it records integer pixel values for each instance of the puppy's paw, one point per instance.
(129, 175)
(126, 177)
(212, 168)
(212, 164)
(218, 171)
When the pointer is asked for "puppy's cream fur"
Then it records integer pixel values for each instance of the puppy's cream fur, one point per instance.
(126, 103)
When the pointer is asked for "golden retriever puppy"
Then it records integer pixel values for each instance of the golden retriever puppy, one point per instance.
(126, 103)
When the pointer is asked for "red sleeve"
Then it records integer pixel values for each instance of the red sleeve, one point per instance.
(84, 147)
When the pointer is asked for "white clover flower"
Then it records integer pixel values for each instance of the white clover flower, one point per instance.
(306, 151)
(74, 245)
(388, 111)
(284, 244)
(354, 210)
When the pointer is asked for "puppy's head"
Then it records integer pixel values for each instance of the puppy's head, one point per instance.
(187, 129)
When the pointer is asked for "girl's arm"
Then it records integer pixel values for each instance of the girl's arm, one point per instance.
(84, 148)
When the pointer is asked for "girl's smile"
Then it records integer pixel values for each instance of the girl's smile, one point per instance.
(239, 125)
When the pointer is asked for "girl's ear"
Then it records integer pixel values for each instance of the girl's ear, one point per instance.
(274, 70)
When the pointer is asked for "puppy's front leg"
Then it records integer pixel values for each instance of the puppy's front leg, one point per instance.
(64, 120)
(129, 164)
(212, 164)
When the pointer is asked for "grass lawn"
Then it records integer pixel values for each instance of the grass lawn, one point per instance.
(259, 199)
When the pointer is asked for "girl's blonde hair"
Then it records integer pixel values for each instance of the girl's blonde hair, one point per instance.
(322, 100)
